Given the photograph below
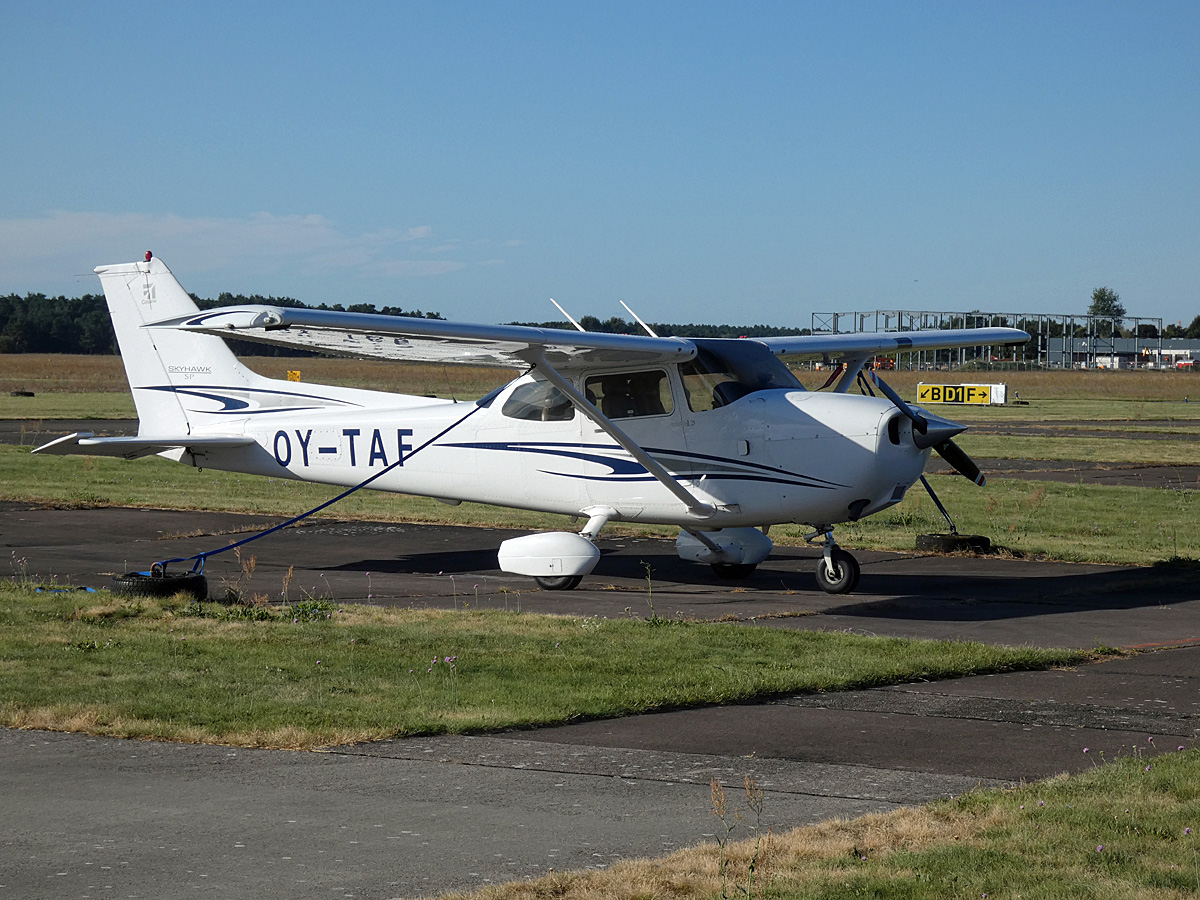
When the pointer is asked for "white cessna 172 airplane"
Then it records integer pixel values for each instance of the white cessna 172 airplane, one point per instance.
(717, 437)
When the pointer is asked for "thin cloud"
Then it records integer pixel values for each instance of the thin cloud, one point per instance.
(61, 244)
(415, 268)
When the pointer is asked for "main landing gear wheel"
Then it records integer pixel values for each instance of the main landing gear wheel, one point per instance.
(559, 583)
(145, 584)
(734, 571)
(844, 575)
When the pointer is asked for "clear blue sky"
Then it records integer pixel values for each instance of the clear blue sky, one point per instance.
(707, 162)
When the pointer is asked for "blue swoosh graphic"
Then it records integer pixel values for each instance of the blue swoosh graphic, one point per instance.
(625, 470)
(231, 405)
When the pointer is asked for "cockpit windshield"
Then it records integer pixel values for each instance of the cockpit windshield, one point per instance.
(726, 370)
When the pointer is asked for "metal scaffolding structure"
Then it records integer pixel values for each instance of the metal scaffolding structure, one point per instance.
(1057, 340)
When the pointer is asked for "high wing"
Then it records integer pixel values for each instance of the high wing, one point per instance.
(873, 342)
(366, 335)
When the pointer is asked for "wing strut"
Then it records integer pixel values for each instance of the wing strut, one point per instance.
(694, 506)
(854, 365)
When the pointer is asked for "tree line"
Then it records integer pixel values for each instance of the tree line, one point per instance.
(617, 325)
(36, 323)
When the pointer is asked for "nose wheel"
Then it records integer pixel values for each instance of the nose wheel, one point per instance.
(837, 571)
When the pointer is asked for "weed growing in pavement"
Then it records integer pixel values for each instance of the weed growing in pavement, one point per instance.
(20, 567)
(757, 880)
(517, 594)
(654, 618)
(235, 590)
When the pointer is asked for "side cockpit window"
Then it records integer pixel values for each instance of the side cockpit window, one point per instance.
(724, 371)
(707, 387)
(631, 394)
(538, 401)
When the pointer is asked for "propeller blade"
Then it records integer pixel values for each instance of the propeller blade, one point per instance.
(928, 430)
(920, 424)
(958, 459)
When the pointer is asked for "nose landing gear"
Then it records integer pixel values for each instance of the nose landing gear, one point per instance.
(837, 571)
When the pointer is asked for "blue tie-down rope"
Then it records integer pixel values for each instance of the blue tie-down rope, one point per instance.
(159, 568)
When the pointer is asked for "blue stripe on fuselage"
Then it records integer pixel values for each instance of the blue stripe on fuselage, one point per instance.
(624, 469)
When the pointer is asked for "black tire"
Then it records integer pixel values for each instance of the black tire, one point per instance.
(144, 584)
(734, 571)
(844, 578)
(559, 583)
(953, 543)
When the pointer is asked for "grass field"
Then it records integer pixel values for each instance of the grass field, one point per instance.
(52, 373)
(61, 373)
(1083, 446)
(315, 673)
(1060, 384)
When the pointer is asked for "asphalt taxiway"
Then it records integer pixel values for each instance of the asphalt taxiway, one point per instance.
(105, 818)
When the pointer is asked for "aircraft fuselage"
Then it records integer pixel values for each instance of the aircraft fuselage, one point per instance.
(768, 457)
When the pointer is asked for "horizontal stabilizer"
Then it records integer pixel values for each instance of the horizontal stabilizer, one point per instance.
(84, 442)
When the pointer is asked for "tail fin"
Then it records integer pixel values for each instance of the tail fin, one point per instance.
(167, 369)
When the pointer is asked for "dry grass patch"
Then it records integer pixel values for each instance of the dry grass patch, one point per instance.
(82, 719)
(766, 864)
(57, 373)
(460, 382)
(1126, 829)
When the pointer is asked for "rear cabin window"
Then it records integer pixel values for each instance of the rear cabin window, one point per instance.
(631, 394)
(538, 401)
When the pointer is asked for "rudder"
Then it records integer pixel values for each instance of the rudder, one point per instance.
(161, 362)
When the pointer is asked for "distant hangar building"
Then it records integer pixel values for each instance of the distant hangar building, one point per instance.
(1057, 341)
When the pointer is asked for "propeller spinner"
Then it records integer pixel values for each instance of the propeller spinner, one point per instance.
(930, 431)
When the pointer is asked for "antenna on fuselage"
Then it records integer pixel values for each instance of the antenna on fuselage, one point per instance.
(578, 327)
(638, 319)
